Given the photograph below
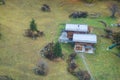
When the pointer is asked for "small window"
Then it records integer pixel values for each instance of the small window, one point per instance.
(78, 47)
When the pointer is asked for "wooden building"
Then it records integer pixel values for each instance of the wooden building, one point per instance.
(76, 29)
(84, 42)
(79, 34)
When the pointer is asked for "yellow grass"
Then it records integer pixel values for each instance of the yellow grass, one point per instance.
(19, 54)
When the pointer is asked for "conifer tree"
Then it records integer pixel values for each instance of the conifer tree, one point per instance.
(57, 50)
(33, 26)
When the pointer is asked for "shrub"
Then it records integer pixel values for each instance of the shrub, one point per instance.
(4, 77)
(42, 68)
(82, 75)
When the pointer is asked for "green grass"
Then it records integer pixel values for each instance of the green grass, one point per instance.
(104, 65)
(19, 54)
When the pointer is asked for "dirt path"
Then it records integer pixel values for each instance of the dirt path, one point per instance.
(86, 65)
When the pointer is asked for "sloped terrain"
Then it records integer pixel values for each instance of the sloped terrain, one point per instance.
(19, 54)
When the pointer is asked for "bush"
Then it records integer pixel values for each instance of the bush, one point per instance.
(3, 77)
(52, 51)
(78, 14)
(42, 68)
(45, 8)
(82, 75)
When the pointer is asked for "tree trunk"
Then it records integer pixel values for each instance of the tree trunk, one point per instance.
(113, 14)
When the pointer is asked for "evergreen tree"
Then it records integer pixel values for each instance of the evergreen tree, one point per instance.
(57, 50)
(33, 26)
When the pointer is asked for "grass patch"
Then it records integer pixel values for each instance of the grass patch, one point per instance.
(103, 63)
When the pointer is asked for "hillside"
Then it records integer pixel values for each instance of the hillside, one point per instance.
(19, 54)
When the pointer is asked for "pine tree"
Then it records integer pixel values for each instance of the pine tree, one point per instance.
(33, 26)
(57, 50)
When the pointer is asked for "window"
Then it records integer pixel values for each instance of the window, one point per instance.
(78, 47)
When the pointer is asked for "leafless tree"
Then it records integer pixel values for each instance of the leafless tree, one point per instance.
(113, 7)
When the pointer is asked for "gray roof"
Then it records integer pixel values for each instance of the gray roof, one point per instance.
(87, 38)
(77, 27)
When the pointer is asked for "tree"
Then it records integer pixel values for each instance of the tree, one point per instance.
(33, 26)
(113, 7)
(57, 50)
(3, 1)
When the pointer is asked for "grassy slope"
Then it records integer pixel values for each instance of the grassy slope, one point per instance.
(19, 55)
(104, 64)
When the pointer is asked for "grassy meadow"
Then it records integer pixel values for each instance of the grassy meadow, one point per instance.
(19, 54)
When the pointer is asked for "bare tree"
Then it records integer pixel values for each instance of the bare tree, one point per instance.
(113, 7)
